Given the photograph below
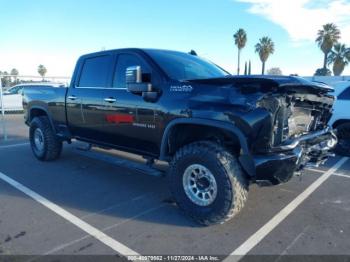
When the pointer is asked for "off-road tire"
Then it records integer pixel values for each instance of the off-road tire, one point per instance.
(52, 146)
(232, 186)
(343, 132)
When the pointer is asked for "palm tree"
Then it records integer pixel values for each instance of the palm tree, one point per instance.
(42, 71)
(240, 41)
(327, 37)
(339, 57)
(264, 48)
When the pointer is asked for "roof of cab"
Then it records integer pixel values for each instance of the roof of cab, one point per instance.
(133, 49)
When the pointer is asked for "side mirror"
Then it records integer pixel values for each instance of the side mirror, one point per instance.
(135, 84)
(133, 75)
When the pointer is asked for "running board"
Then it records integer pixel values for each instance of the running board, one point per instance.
(84, 147)
(124, 163)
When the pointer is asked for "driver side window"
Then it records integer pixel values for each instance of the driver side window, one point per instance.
(125, 61)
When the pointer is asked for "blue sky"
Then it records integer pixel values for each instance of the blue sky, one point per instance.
(55, 33)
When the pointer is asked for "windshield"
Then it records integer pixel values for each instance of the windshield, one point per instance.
(14, 90)
(183, 66)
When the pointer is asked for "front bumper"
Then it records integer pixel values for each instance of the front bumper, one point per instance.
(280, 164)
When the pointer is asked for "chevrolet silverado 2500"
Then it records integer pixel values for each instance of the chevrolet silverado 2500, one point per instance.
(218, 132)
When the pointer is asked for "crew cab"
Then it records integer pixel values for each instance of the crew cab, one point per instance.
(218, 132)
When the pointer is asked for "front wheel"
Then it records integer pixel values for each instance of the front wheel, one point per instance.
(43, 141)
(207, 182)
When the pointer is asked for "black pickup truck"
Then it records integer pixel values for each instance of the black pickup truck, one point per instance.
(218, 132)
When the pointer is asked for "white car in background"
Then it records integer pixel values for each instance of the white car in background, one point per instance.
(12, 98)
(341, 117)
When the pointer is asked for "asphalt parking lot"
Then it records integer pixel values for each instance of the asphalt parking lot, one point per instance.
(95, 203)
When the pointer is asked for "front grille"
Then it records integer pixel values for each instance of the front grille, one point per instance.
(297, 118)
(294, 115)
(300, 122)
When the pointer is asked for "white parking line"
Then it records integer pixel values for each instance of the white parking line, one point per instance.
(14, 145)
(322, 172)
(315, 170)
(341, 175)
(258, 236)
(99, 235)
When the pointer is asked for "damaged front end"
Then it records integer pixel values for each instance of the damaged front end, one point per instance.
(283, 121)
(299, 137)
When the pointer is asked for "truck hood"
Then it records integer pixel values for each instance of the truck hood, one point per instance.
(268, 84)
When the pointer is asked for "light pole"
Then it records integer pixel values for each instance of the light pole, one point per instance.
(2, 111)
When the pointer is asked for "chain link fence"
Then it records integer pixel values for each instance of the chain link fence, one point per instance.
(11, 109)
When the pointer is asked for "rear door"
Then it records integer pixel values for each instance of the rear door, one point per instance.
(85, 100)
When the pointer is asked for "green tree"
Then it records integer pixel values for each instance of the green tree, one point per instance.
(14, 73)
(192, 52)
(42, 71)
(5, 80)
(275, 71)
(339, 57)
(240, 41)
(264, 48)
(323, 72)
(327, 37)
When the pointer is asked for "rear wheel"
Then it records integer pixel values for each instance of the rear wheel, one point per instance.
(207, 182)
(44, 143)
(343, 134)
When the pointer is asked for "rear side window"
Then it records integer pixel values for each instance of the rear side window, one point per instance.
(96, 71)
(345, 95)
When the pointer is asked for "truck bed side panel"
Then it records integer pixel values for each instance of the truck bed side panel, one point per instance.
(49, 99)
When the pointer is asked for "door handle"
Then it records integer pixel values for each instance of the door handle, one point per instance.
(72, 98)
(110, 100)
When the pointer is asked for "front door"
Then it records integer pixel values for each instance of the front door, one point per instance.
(131, 122)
